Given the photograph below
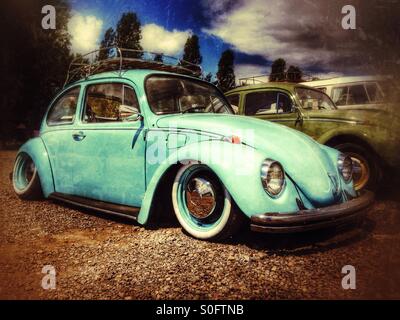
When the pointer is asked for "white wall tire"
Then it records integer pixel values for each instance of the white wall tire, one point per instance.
(226, 216)
(25, 178)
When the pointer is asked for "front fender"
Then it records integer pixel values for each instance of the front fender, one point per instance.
(237, 166)
(36, 149)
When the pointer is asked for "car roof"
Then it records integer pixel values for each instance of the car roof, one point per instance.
(289, 86)
(138, 74)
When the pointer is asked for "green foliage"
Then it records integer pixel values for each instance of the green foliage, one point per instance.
(191, 51)
(208, 77)
(278, 70)
(294, 74)
(226, 73)
(34, 62)
(158, 57)
(129, 33)
(108, 41)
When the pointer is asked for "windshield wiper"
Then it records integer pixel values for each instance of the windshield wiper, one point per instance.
(193, 108)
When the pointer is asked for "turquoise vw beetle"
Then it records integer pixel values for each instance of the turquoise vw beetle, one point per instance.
(136, 142)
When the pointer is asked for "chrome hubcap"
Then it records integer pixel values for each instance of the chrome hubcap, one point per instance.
(200, 198)
(361, 173)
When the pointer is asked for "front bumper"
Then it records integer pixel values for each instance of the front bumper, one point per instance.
(305, 220)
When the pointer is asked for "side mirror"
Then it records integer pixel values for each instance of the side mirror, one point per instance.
(129, 113)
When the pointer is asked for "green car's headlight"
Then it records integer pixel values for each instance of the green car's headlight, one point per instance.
(272, 177)
(345, 166)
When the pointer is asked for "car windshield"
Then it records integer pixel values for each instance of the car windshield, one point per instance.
(312, 99)
(170, 94)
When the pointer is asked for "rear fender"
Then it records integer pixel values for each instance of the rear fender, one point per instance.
(36, 149)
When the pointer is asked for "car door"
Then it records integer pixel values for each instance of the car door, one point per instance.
(56, 134)
(109, 148)
(273, 105)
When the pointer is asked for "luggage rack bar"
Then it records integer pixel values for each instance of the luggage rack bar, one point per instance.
(284, 77)
(120, 59)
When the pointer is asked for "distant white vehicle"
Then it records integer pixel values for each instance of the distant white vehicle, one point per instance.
(360, 92)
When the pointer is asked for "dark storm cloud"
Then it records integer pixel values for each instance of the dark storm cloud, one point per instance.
(310, 34)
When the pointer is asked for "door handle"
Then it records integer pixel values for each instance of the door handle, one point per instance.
(78, 136)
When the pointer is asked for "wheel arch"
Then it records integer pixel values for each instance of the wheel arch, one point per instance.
(351, 138)
(36, 149)
(244, 187)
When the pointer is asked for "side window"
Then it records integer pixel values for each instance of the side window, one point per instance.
(374, 93)
(63, 110)
(339, 95)
(357, 95)
(285, 104)
(110, 102)
(258, 103)
(234, 102)
(267, 102)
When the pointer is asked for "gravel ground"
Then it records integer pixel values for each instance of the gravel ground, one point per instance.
(101, 257)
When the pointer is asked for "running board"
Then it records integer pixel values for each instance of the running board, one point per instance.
(106, 207)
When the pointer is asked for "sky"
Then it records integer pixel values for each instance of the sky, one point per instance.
(259, 31)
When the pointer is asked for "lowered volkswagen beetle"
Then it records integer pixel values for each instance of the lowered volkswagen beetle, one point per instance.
(135, 142)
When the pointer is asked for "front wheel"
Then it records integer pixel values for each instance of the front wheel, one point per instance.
(366, 171)
(25, 178)
(202, 204)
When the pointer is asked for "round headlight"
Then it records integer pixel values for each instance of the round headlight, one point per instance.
(345, 165)
(272, 177)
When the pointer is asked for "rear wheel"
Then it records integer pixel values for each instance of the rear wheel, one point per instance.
(25, 179)
(365, 168)
(203, 205)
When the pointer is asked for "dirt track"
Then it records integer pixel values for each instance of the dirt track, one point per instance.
(100, 257)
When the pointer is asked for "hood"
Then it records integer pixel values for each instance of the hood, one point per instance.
(303, 159)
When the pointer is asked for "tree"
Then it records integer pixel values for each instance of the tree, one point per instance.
(278, 70)
(33, 60)
(208, 77)
(128, 34)
(108, 41)
(294, 74)
(158, 57)
(226, 73)
(191, 51)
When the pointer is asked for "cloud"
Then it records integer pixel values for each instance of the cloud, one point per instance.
(157, 39)
(297, 30)
(251, 70)
(85, 32)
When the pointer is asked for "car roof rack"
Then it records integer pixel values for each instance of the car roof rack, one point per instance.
(264, 78)
(120, 59)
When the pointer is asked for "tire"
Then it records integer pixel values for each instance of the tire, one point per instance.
(25, 178)
(211, 216)
(369, 172)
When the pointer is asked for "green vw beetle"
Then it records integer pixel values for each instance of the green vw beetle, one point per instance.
(369, 136)
(136, 142)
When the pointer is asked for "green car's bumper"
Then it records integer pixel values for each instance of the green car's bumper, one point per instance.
(312, 219)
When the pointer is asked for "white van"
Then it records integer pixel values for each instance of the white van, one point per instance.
(361, 92)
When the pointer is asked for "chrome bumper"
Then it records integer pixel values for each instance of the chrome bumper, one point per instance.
(312, 219)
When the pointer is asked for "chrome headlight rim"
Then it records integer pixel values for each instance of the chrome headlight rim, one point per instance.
(268, 163)
(342, 158)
